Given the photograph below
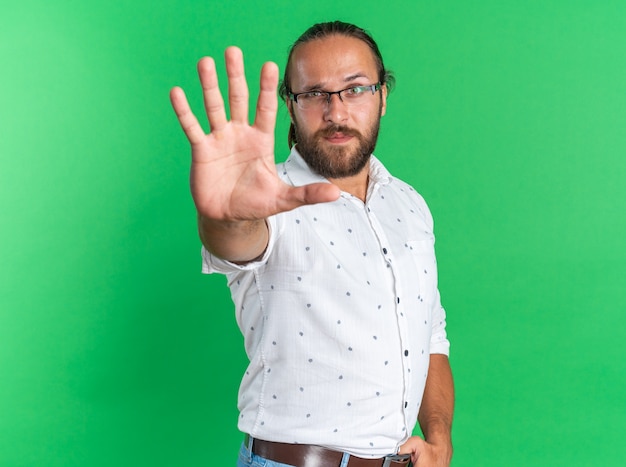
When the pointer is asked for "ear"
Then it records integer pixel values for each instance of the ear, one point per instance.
(383, 92)
(289, 103)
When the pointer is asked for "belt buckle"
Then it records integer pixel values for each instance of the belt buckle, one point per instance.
(399, 458)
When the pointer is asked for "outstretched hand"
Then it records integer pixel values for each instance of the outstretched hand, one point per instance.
(233, 175)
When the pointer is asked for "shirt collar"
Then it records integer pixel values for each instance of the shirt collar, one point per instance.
(299, 173)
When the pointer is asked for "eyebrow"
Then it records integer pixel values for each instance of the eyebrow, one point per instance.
(347, 79)
(355, 76)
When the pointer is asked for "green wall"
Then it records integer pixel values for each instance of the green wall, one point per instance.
(508, 116)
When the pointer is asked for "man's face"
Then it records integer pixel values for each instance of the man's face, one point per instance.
(336, 140)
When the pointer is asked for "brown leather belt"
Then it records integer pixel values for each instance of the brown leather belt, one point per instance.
(306, 455)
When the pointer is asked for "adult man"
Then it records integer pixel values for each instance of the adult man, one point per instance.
(330, 262)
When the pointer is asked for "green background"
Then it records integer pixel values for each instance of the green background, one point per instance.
(508, 116)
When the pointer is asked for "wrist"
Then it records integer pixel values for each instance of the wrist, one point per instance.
(441, 441)
(438, 434)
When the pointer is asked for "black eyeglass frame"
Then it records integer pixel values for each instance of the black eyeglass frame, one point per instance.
(373, 88)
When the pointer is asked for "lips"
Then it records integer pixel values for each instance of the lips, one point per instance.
(338, 135)
(338, 138)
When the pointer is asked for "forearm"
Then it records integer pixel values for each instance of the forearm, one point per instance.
(435, 416)
(238, 242)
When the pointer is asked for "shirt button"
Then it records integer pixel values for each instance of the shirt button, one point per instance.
(406, 353)
(385, 250)
(406, 404)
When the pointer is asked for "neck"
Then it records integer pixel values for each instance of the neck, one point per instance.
(356, 185)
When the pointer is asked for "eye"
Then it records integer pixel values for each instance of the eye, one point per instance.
(355, 91)
(312, 95)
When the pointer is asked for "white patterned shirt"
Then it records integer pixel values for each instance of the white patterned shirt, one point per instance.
(339, 318)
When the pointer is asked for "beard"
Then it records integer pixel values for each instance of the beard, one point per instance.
(337, 162)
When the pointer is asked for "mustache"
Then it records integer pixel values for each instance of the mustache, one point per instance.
(331, 130)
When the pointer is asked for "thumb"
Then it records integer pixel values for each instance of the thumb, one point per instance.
(311, 194)
(413, 446)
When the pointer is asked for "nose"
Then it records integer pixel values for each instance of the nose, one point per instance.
(335, 110)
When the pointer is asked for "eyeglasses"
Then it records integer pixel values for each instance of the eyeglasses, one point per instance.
(354, 95)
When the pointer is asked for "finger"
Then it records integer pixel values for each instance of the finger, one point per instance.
(186, 118)
(213, 101)
(267, 104)
(413, 445)
(237, 86)
(314, 193)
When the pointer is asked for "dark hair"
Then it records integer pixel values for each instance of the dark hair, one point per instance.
(333, 28)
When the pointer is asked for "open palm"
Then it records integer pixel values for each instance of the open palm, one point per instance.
(233, 175)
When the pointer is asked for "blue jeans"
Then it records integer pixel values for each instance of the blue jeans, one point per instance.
(249, 459)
